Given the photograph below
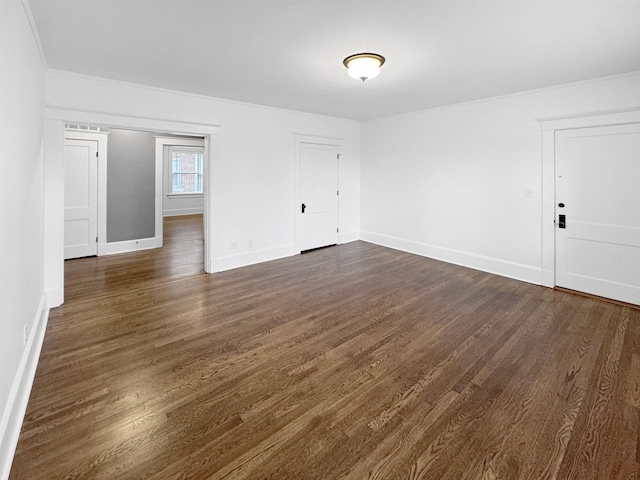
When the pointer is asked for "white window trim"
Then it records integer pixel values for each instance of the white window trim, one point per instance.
(163, 143)
(183, 148)
(184, 195)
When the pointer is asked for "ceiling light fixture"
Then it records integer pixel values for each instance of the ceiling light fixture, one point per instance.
(363, 66)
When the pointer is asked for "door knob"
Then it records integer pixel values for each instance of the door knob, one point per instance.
(562, 221)
(303, 207)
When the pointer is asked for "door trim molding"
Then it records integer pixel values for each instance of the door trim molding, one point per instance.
(602, 119)
(299, 139)
(549, 127)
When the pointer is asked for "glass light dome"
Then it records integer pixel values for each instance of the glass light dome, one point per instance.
(364, 66)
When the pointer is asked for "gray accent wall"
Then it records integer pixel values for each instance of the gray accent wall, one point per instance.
(130, 185)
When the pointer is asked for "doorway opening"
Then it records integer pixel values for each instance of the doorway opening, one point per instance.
(55, 123)
(122, 177)
(125, 196)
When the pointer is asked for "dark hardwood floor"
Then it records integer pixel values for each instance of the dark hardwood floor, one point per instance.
(354, 362)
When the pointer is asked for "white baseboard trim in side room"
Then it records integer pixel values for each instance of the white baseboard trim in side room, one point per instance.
(176, 212)
(16, 407)
(517, 271)
(129, 246)
(251, 257)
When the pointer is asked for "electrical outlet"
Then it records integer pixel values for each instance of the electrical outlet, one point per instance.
(26, 334)
(235, 244)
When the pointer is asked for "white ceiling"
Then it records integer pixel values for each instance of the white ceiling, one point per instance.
(288, 53)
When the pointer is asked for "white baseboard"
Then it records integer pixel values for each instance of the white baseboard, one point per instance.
(348, 237)
(548, 278)
(129, 246)
(176, 212)
(251, 257)
(13, 415)
(517, 271)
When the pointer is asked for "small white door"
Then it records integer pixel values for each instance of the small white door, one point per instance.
(317, 223)
(598, 211)
(80, 198)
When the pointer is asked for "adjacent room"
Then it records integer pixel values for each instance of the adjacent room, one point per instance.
(319, 240)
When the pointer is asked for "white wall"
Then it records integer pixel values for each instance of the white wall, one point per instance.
(450, 183)
(21, 216)
(255, 173)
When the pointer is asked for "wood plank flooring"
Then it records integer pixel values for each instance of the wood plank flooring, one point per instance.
(354, 362)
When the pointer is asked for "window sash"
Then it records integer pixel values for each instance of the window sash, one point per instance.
(186, 171)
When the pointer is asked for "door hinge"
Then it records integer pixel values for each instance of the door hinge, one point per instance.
(96, 154)
(338, 156)
(96, 239)
(338, 230)
(338, 192)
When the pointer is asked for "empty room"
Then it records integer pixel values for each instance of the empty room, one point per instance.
(317, 239)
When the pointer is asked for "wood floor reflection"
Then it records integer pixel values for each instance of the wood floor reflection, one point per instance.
(354, 362)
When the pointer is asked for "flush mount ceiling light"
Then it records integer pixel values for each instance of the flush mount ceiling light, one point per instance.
(363, 66)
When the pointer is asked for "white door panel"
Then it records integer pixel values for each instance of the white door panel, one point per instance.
(598, 181)
(80, 198)
(318, 224)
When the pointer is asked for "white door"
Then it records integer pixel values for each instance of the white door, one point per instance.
(317, 223)
(80, 198)
(598, 195)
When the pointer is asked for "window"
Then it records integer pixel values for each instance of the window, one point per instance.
(186, 170)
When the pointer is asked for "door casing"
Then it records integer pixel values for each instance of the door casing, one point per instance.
(549, 127)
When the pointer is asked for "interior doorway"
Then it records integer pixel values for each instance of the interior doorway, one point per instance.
(317, 192)
(55, 122)
(144, 177)
(182, 160)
